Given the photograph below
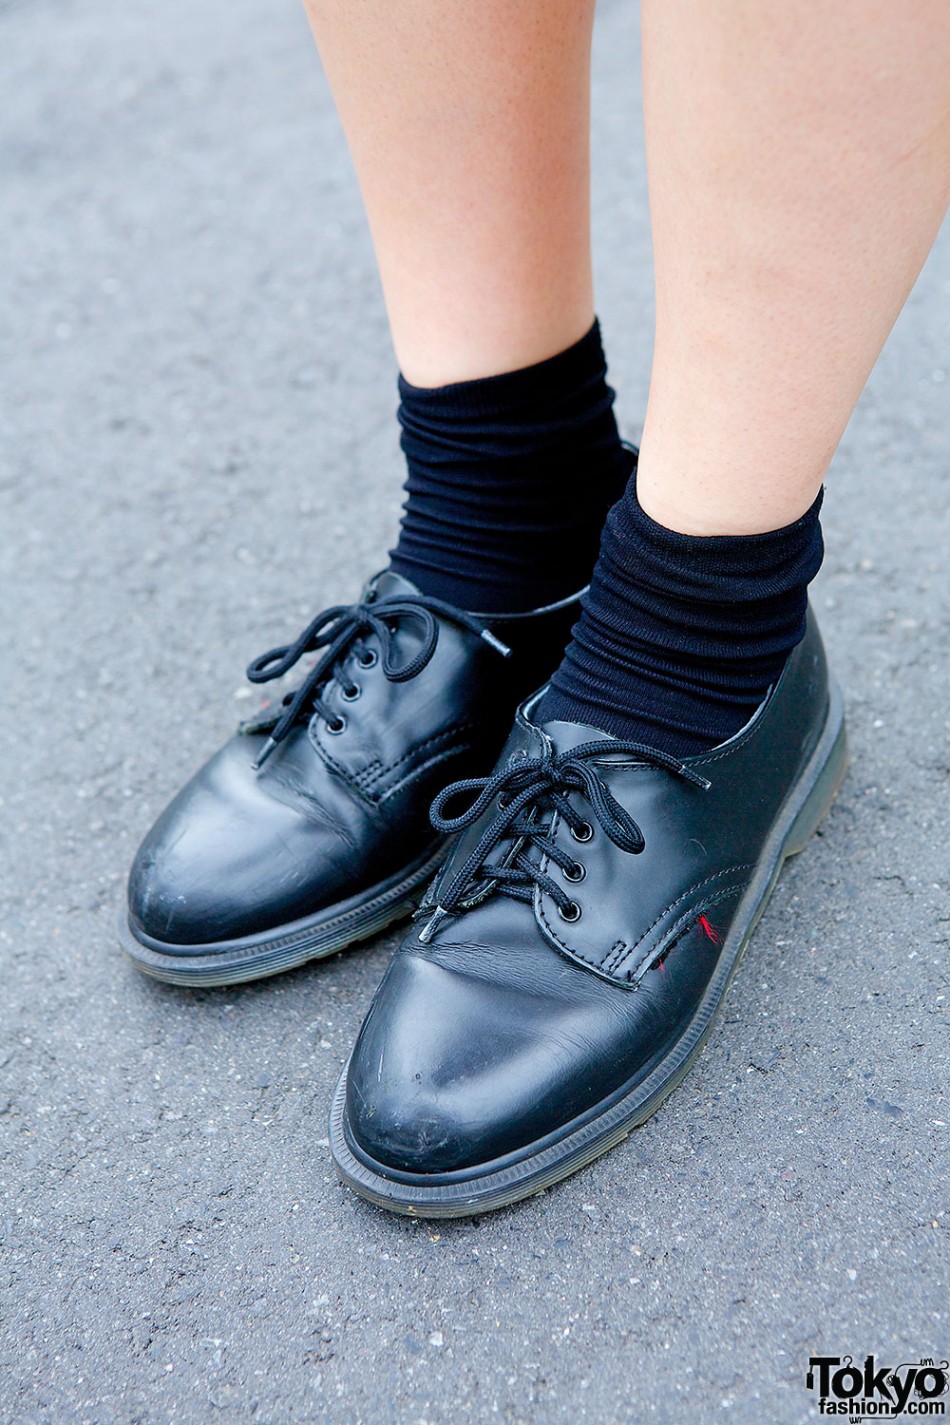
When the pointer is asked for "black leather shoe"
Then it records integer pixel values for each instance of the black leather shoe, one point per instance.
(567, 965)
(309, 830)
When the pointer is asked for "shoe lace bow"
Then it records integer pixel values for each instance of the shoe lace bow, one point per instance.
(525, 789)
(343, 629)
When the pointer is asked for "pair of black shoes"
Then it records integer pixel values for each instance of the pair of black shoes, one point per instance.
(594, 899)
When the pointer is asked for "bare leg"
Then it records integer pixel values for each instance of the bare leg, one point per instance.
(799, 160)
(799, 156)
(469, 126)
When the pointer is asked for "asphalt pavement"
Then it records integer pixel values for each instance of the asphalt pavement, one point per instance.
(197, 451)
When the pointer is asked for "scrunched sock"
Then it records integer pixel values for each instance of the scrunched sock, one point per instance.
(510, 480)
(681, 636)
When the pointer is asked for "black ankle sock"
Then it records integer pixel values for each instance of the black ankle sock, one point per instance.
(510, 479)
(681, 636)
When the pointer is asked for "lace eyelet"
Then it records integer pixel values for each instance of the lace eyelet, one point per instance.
(570, 912)
(582, 833)
(503, 802)
(368, 658)
(575, 874)
(350, 695)
(335, 727)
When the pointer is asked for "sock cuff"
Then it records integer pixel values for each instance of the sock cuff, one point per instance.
(565, 375)
(508, 481)
(740, 567)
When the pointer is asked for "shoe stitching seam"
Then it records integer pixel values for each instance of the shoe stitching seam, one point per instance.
(684, 920)
(737, 743)
(418, 771)
(603, 965)
(362, 782)
(574, 954)
(690, 891)
(619, 950)
(375, 770)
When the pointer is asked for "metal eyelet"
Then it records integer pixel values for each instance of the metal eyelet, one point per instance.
(570, 912)
(582, 833)
(350, 695)
(368, 658)
(575, 873)
(335, 727)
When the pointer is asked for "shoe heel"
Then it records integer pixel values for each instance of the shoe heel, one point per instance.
(829, 764)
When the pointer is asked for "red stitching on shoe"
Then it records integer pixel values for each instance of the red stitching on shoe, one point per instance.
(710, 932)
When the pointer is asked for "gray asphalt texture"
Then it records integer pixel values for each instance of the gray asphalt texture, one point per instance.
(197, 453)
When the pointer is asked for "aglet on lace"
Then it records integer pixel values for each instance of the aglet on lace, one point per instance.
(264, 753)
(432, 924)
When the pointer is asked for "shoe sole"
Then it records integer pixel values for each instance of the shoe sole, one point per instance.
(499, 1184)
(255, 957)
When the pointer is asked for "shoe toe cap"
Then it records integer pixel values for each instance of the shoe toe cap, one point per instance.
(444, 1076)
(416, 1099)
(227, 860)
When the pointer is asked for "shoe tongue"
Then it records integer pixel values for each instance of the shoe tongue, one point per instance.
(389, 586)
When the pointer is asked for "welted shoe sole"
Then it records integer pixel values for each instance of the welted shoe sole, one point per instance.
(503, 1181)
(254, 957)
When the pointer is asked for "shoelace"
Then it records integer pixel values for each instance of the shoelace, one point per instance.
(343, 629)
(525, 789)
